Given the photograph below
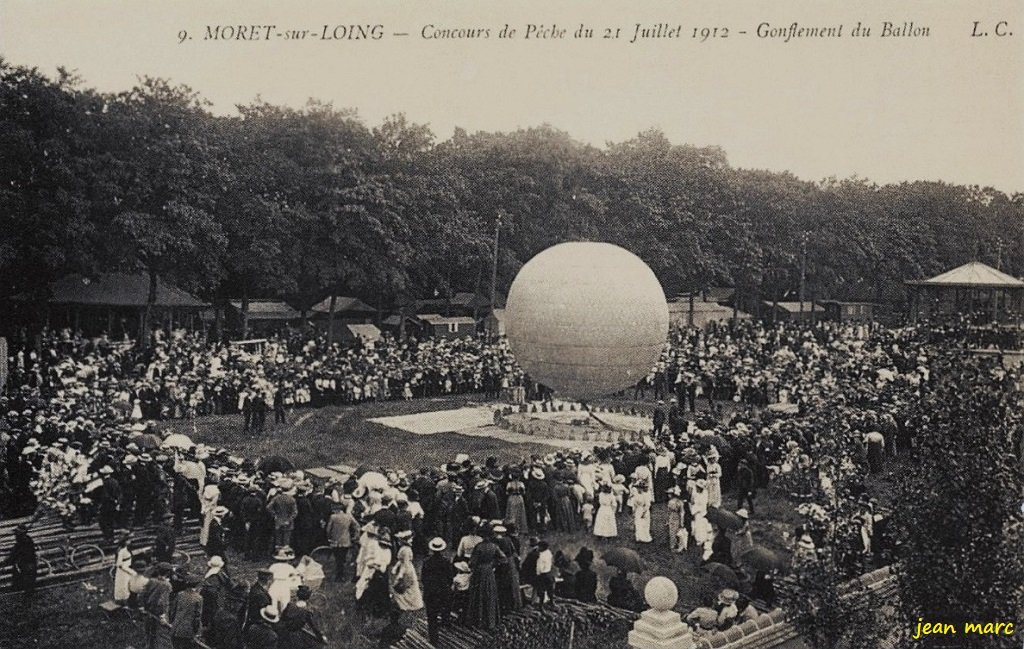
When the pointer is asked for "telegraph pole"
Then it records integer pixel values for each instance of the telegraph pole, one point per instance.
(494, 265)
(803, 268)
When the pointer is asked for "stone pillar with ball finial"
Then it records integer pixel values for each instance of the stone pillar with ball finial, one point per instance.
(660, 627)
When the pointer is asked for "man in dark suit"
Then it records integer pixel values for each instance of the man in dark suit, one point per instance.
(279, 413)
(247, 412)
(298, 628)
(262, 633)
(156, 600)
(438, 574)
(187, 614)
(110, 502)
(676, 419)
(659, 418)
(257, 599)
(744, 485)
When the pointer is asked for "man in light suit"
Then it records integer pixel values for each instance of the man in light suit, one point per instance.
(342, 532)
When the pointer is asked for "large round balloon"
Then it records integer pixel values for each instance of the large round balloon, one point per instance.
(586, 319)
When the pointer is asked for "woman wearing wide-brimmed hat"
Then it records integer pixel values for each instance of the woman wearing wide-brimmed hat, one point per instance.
(515, 503)
(507, 571)
(538, 492)
(404, 584)
(372, 589)
(286, 578)
(641, 498)
(123, 571)
(216, 540)
(483, 610)
(208, 502)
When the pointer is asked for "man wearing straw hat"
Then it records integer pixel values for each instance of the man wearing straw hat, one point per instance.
(261, 634)
(437, 576)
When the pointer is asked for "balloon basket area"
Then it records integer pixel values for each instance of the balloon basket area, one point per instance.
(572, 421)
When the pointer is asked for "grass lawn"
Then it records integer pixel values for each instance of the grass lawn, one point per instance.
(343, 435)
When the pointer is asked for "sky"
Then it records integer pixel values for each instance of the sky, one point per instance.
(947, 107)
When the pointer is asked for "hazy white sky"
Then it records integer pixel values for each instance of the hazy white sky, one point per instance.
(948, 107)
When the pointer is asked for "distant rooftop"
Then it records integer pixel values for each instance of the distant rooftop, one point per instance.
(971, 275)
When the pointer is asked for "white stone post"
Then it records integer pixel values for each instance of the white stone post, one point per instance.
(660, 627)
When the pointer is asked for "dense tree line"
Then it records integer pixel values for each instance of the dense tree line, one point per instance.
(299, 202)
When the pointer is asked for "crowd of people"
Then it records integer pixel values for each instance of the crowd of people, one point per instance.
(82, 436)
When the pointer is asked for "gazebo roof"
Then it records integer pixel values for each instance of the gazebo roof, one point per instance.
(971, 275)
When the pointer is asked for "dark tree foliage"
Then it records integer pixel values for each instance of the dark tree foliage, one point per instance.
(820, 593)
(958, 510)
(302, 203)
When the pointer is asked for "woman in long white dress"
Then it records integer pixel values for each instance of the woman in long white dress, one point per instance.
(208, 502)
(604, 521)
(641, 500)
(405, 585)
(123, 571)
(714, 479)
(286, 579)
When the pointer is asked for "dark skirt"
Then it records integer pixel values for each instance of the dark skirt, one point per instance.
(509, 594)
(482, 605)
(376, 599)
(662, 483)
(565, 515)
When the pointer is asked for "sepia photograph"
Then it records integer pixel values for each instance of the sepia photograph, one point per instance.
(462, 324)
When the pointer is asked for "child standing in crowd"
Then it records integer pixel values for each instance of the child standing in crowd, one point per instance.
(620, 491)
(587, 512)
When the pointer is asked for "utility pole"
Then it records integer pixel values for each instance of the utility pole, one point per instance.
(494, 265)
(999, 253)
(803, 268)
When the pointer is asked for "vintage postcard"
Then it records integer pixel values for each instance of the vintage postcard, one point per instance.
(533, 325)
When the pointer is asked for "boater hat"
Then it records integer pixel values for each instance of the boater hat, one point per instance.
(270, 614)
(437, 544)
(284, 553)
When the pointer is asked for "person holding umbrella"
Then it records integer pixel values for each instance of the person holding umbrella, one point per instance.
(721, 549)
(622, 593)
